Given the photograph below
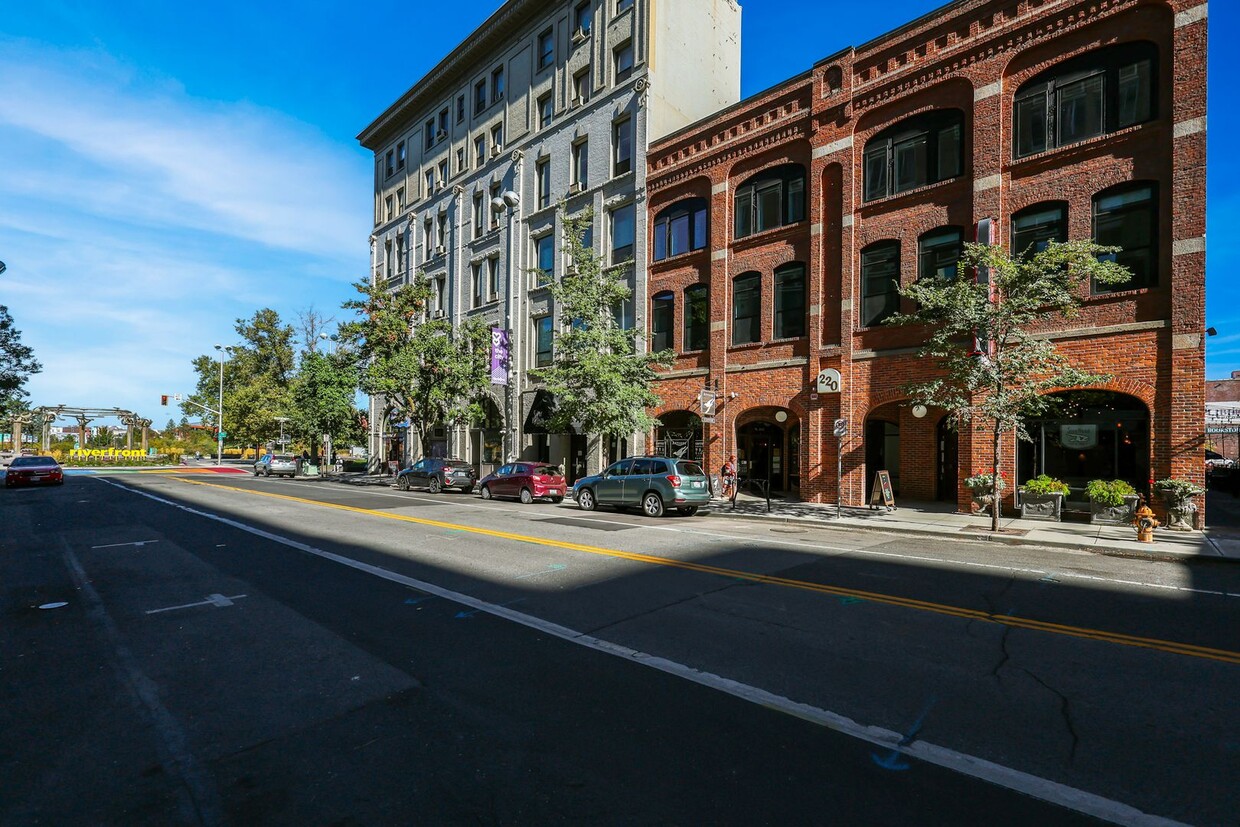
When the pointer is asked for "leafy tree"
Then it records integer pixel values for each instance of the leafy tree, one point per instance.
(426, 368)
(1006, 378)
(322, 397)
(600, 382)
(257, 375)
(17, 364)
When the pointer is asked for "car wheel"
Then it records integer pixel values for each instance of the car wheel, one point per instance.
(652, 505)
(267, 472)
(526, 496)
(402, 482)
(687, 511)
(485, 492)
(557, 500)
(256, 472)
(585, 499)
(435, 486)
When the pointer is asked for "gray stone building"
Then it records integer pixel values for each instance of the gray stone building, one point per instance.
(547, 103)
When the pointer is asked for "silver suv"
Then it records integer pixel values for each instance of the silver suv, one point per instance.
(649, 483)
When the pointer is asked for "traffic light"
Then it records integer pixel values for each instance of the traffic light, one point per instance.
(163, 400)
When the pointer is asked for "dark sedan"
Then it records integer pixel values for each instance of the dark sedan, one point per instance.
(527, 481)
(34, 471)
(437, 474)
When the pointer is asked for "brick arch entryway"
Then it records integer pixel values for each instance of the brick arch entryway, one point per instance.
(768, 446)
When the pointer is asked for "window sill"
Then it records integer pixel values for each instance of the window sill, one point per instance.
(1087, 144)
(915, 191)
(679, 257)
(1124, 293)
(765, 236)
(747, 346)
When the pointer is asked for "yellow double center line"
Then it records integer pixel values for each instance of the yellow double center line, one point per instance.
(1172, 647)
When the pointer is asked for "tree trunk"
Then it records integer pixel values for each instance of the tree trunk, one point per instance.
(994, 467)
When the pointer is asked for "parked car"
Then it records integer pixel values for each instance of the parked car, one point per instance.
(1216, 460)
(281, 465)
(649, 483)
(33, 470)
(437, 474)
(527, 481)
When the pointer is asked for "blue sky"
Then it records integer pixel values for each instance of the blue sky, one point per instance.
(166, 168)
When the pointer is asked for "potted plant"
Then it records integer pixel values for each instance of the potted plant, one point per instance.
(1041, 498)
(1178, 495)
(1111, 502)
(982, 486)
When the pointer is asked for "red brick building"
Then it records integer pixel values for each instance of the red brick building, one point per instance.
(779, 224)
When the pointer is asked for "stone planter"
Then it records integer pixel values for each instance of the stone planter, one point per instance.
(1100, 514)
(982, 500)
(1180, 513)
(1041, 506)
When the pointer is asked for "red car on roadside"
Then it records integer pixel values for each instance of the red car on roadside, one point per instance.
(527, 481)
(34, 471)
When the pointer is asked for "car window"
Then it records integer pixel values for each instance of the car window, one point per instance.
(504, 471)
(645, 467)
(547, 471)
(521, 469)
(689, 469)
(420, 465)
(620, 469)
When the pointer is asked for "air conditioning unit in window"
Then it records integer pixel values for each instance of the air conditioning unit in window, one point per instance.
(440, 250)
(574, 102)
(581, 34)
(496, 149)
(575, 188)
(441, 135)
(494, 297)
(439, 313)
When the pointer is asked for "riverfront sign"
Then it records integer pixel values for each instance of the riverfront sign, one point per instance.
(109, 453)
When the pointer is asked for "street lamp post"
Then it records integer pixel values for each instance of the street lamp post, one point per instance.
(219, 440)
(508, 200)
(282, 420)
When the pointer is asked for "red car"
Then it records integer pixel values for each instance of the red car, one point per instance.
(34, 471)
(528, 481)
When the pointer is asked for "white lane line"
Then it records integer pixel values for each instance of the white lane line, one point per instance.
(197, 798)
(212, 600)
(138, 543)
(1032, 785)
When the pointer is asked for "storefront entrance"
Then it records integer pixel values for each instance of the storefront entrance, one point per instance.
(947, 453)
(764, 451)
(679, 436)
(882, 451)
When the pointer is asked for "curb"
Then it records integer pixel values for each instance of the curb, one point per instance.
(1067, 545)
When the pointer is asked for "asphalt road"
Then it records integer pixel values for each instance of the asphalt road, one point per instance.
(237, 651)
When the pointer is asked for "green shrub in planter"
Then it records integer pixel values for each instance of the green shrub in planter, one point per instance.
(1043, 484)
(1108, 492)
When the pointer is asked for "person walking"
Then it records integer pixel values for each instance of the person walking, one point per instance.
(728, 475)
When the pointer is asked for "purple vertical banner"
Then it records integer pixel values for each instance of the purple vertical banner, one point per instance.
(499, 356)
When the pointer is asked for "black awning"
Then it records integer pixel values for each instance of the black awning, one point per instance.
(539, 408)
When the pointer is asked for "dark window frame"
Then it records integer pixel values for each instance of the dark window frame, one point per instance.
(544, 334)
(751, 331)
(695, 213)
(790, 321)
(662, 321)
(1038, 107)
(880, 268)
(935, 250)
(696, 331)
(781, 188)
(622, 140)
(542, 182)
(623, 72)
(623, 252)
(1147, 254)
(922, 139)
(1036, 236)
(546, 48)
(544, 254)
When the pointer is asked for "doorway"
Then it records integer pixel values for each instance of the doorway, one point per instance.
(947, 452)
(882, 450)
(760, 454)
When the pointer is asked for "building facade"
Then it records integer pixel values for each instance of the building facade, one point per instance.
(542, 113)
(780, 225)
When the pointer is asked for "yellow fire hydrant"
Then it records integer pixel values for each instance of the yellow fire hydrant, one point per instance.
(1145, 523)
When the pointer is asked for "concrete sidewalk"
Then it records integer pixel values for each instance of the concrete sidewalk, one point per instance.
(937, 520)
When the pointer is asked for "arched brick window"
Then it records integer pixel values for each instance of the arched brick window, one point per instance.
(770, 199)
(1126, 216)
(915, 152)
(680, 228)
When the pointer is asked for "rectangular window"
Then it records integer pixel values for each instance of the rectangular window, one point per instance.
(442, 231)
(950, 154)
(876, 171)
(497, 84)
(1035, 228)
(493, 278)
(443, 172)
(387, 208)
(584, 17)
(622, 233)
(1128, 219)
(768, 200)
(443, 124)
(497, 137)
(622, 143)
(546, 48)
(400, 155)
(697, 317)
(430, 133)
(544, 253)
(475, 274)
(910, 162)
(388, 167)
(546, 110)
(581, 86)
(938, 254)
(430, 182)
(480, 151)
(480, 96)
(542, 176)
(880, 278)
(623, 5)
(1079, 112)
(494, 213)
(581, 163)
(1031, 124)
(460, 160)
(428, 238)
(747, 309)
(790, 302)
(1135, 85)
(744, 213)
(460, 108)
(662, 314)
(400, 199)
(479, 209)
(542, 341)
(624, 61)
(400, 254)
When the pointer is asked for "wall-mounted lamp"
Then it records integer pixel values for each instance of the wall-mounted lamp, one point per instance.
(1211, 331)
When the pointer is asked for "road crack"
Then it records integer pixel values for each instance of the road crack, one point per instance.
(1065, 712)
